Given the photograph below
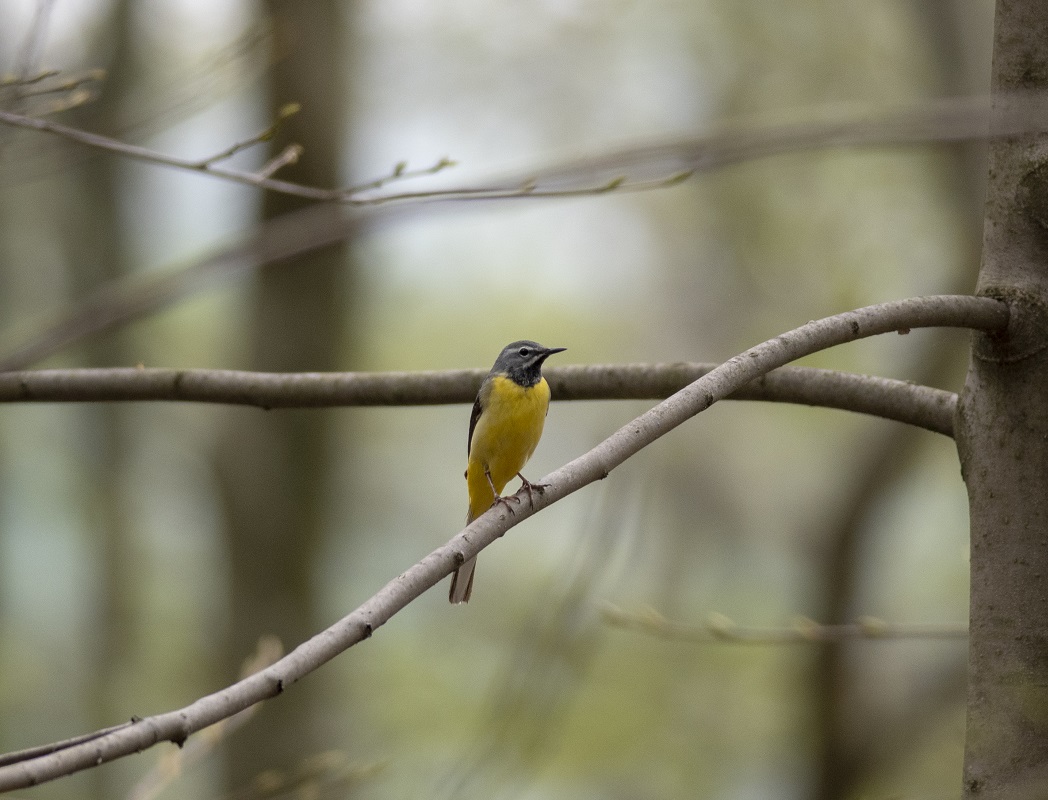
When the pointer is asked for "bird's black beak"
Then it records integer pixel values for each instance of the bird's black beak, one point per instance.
(546, 352)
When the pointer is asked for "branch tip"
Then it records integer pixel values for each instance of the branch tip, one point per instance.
(288, 110)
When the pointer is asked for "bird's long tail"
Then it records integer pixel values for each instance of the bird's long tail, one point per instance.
(481, 496)
(462, 580)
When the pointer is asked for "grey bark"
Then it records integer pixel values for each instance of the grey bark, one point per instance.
(1002, 439)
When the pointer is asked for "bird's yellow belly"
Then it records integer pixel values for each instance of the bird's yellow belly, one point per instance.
(506, 435)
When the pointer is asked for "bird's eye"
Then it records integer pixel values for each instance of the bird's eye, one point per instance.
(524, 351)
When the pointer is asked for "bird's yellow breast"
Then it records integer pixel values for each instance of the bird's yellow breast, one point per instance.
(506, 434)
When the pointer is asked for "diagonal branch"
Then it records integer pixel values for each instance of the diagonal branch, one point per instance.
(917, 405)
(121, 301)
(176, 726)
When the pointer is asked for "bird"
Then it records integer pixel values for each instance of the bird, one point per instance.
(504, 429)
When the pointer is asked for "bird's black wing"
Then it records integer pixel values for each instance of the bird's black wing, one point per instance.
(473, 423)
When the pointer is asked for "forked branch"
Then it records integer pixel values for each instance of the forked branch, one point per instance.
(176, 726)
(650, 166)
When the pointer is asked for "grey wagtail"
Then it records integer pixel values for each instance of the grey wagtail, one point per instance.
(504, 430)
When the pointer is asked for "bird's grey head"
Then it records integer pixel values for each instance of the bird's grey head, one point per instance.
(522, 361)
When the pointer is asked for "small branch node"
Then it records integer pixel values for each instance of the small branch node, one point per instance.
(290, 155)
(680, 177)
(399, 172)
(285, 113)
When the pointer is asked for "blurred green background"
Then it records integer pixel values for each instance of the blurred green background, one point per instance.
(145, 549)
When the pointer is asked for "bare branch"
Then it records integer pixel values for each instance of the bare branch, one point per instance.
(7, 81)
(312, 228)
(285, 114)
(33, 44)
(719, 628)
(401, 172)
(289, 155)
(153, 157)
(70, 84)
(42, 84)
(883, 397)
(121, 301)
(46, 749)
(642, 168)
(177, 726)
(172, 764)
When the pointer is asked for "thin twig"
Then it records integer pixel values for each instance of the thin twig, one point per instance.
(46, 749)
(176, 726)
(401, 172)
(153, 157)
(720, 628)
(120, 301)
(33, 44)
(639, 168)
(19, 80)
(67, 85)
(285, 114)
(347, 196)
(173, 763)
(953, 119)
(922, 406)
(289, 155)
(206, 165)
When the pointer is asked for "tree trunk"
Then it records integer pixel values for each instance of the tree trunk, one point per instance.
(273, 466)
(1002, 439)
(96, 244)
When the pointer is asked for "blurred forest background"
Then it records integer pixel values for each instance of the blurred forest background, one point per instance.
(146, 548)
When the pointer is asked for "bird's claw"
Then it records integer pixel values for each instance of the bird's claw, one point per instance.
(505, 501)
(530, 488)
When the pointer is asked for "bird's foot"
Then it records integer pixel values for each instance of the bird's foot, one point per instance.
(531, 489)
(505, 501)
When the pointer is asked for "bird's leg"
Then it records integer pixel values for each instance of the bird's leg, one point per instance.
(531, 488)
(498, 498)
